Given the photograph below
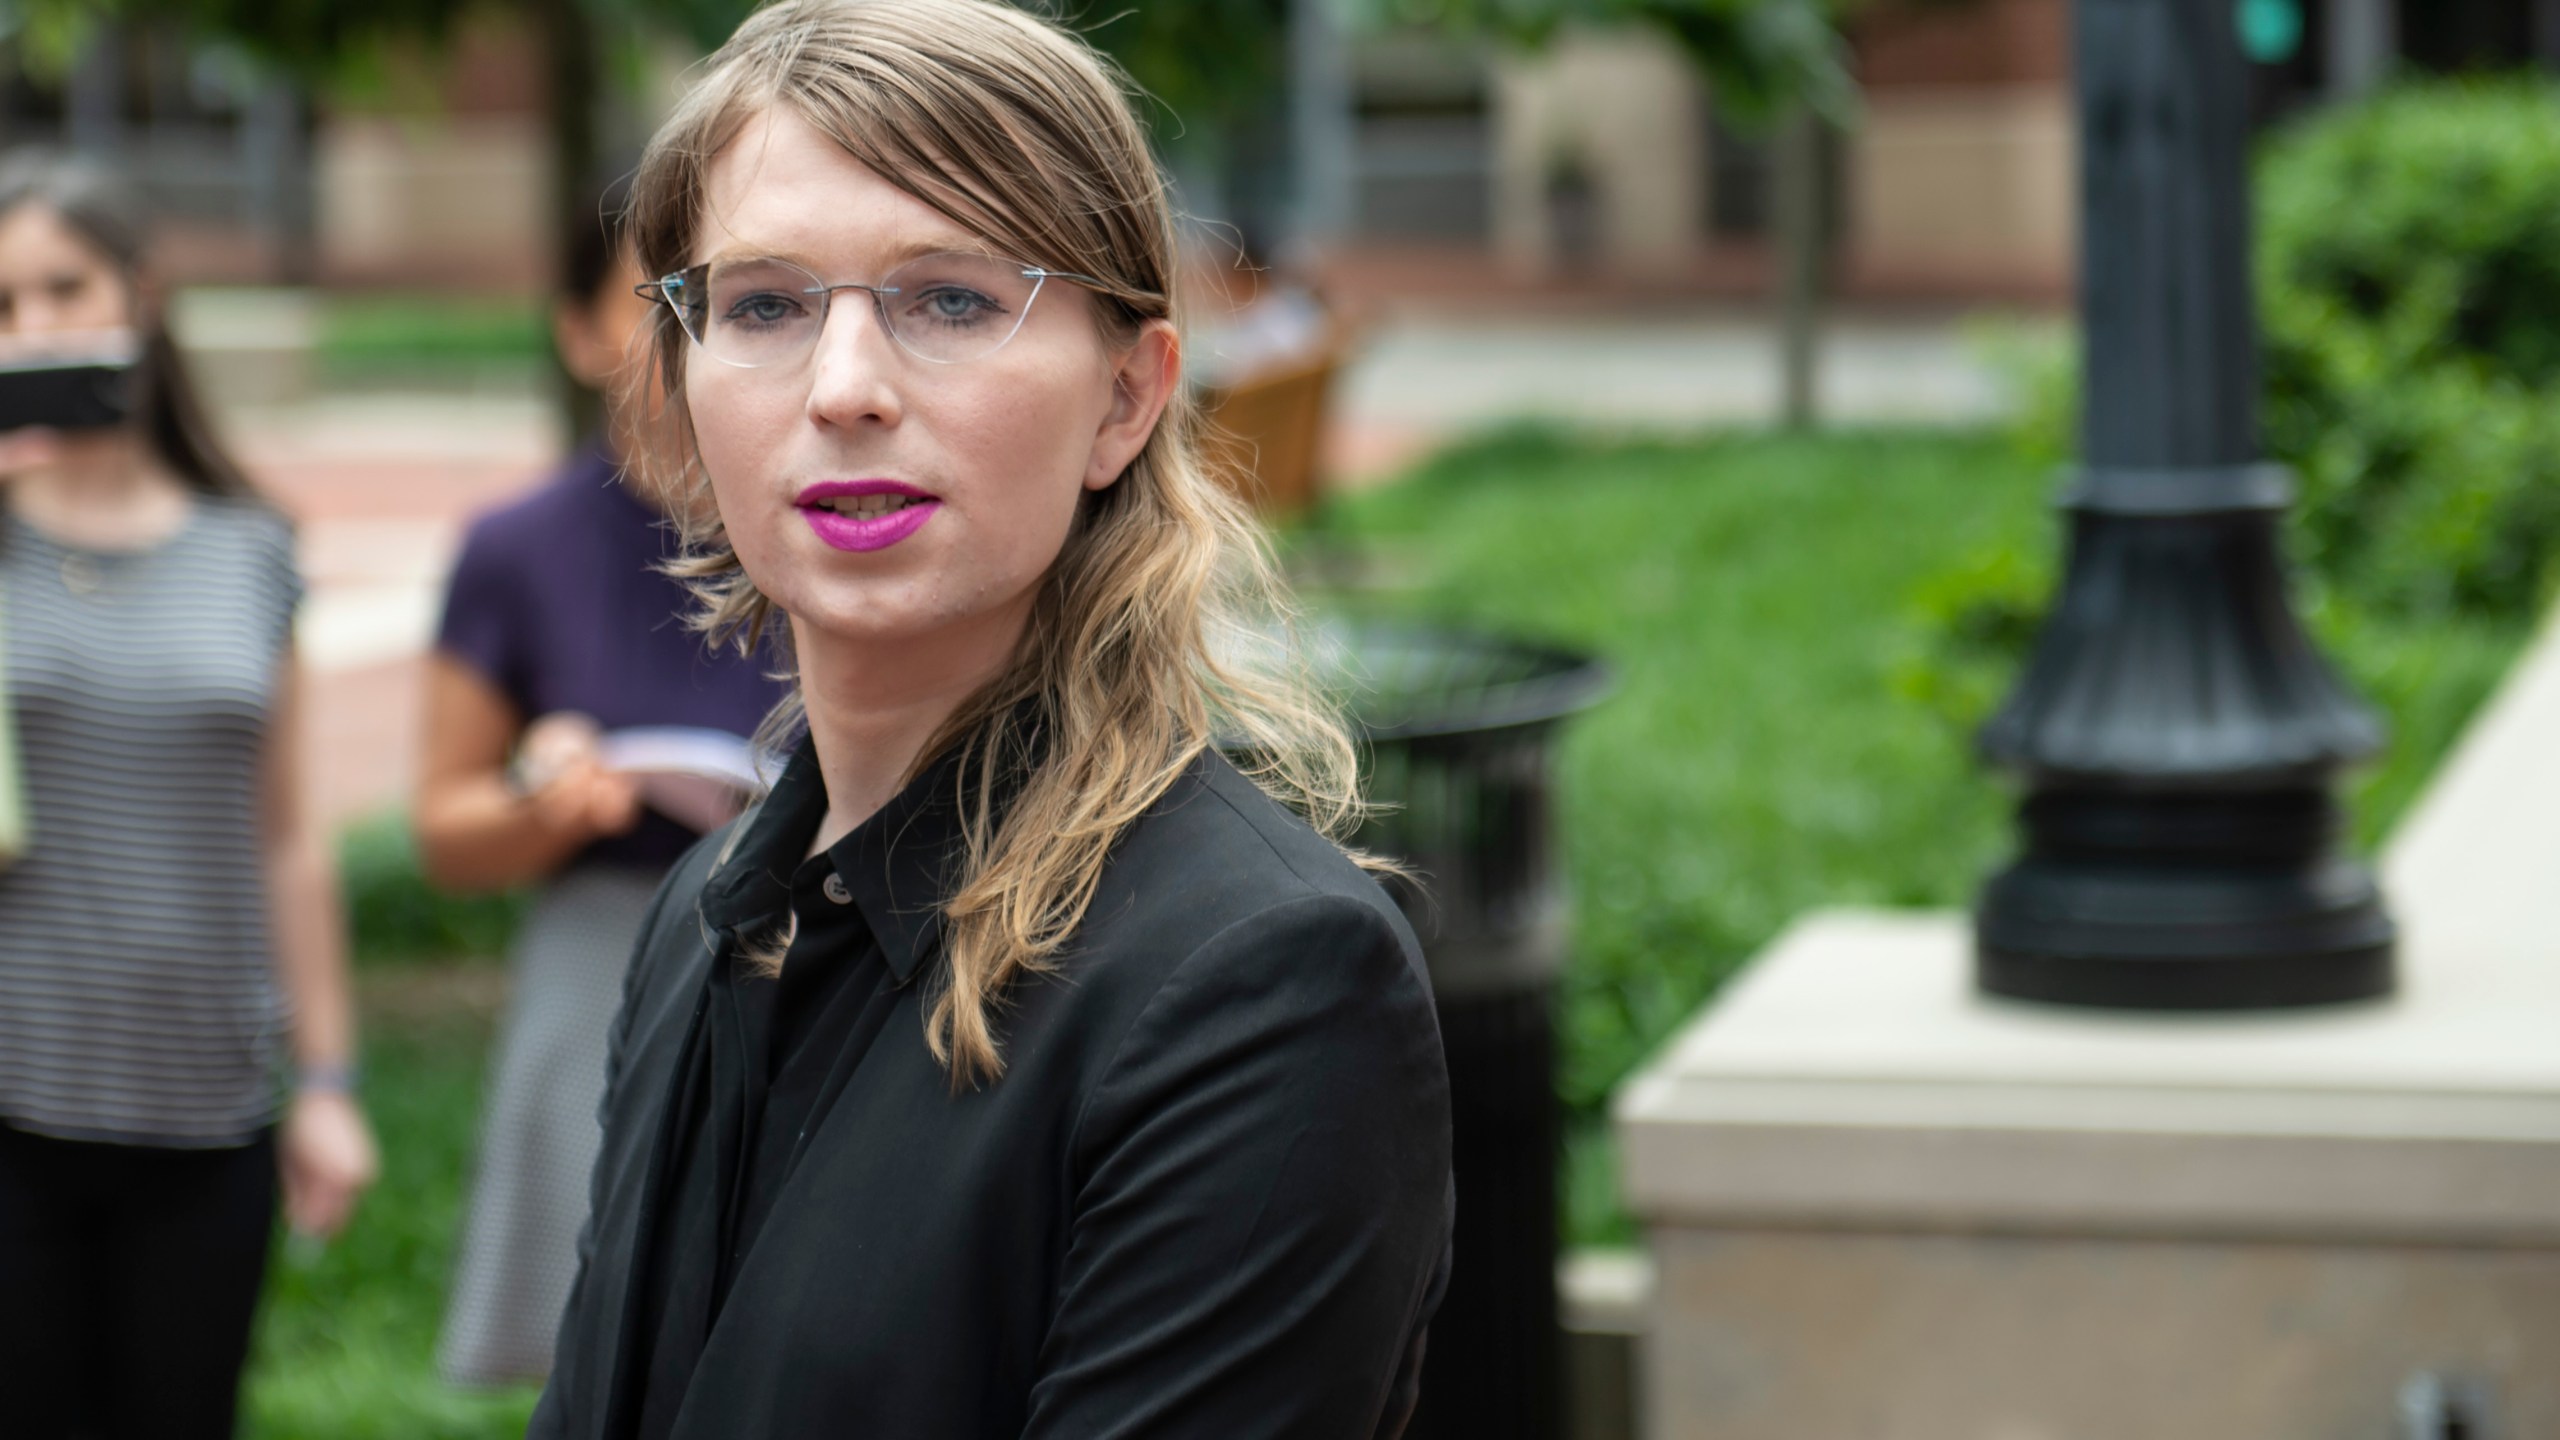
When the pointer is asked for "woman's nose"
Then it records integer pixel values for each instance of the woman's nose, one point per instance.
(858, 368)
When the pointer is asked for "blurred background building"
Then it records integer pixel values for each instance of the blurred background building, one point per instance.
(1412, 154)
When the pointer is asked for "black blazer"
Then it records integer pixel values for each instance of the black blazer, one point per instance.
(1208, 1198)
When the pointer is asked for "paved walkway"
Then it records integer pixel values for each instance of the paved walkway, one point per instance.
(1418, 381)
(380, 488)
(382, 484)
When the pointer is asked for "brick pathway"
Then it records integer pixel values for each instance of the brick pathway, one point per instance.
(379, 489)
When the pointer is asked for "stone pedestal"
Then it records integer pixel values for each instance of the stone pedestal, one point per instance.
(1883, 1207)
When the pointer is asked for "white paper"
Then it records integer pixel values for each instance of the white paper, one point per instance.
(696, 776)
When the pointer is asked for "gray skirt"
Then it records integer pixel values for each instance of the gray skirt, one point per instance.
(538, 1134)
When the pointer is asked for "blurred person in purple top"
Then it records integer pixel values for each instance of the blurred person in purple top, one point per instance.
(559, 628)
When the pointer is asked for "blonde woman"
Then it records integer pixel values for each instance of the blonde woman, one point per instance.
(1019, 1067)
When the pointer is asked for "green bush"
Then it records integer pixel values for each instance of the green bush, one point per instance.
(1969, 623)
(2409, 290)
(394, 915)
(1973, 622)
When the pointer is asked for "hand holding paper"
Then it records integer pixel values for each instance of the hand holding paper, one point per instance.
(698, 777)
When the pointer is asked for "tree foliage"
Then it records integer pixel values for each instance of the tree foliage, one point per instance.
(1208, 61)
(310, 38)
(1213, 65)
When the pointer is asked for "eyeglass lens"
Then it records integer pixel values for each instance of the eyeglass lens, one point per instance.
(944, 308)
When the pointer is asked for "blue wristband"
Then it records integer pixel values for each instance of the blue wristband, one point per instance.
(326, 1079)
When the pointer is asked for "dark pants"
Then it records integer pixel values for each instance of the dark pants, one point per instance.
(128, 1278)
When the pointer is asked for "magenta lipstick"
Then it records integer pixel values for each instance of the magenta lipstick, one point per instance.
(865, 515)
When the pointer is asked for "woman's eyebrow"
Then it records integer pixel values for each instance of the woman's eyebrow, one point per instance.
(736, 254)
(934, 245)
(889, 260)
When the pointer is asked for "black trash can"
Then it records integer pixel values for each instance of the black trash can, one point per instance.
(1460, 730)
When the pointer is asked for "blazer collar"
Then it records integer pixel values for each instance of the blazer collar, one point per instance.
(900, 865)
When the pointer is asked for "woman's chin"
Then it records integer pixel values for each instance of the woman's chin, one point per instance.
(868, 620)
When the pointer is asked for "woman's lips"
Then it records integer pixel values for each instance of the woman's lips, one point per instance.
(865, 514)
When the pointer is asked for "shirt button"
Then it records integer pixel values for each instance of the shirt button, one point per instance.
(836, 892)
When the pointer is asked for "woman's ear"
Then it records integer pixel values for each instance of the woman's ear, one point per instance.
(1143, 382)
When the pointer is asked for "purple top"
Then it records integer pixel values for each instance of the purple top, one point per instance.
(557, 602)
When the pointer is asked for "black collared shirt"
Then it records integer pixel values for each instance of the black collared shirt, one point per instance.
(774, 1049)
(1209, 1194)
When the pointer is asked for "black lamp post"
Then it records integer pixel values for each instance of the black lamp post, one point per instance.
(2178, 733)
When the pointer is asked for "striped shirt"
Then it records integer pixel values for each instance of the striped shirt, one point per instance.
(137, 994)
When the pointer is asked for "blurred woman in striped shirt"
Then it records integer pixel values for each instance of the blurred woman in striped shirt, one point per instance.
(171, 934)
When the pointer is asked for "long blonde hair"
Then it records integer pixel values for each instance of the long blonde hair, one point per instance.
(1163, 626)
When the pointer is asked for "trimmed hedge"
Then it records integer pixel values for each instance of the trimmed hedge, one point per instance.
(2409, 292)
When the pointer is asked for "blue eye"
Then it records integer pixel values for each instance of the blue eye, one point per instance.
(764, 307)
(954, 305)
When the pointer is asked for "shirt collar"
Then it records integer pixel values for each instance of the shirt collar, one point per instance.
(899, 865)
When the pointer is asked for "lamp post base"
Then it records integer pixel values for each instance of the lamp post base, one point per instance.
(2151, 902)
(2258, 982)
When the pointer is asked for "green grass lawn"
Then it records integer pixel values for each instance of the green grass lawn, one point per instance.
(1756, 595)
(346, 1344)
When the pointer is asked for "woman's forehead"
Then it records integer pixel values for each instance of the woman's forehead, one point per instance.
(35, 225)
(37, 244)
(783, 188)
